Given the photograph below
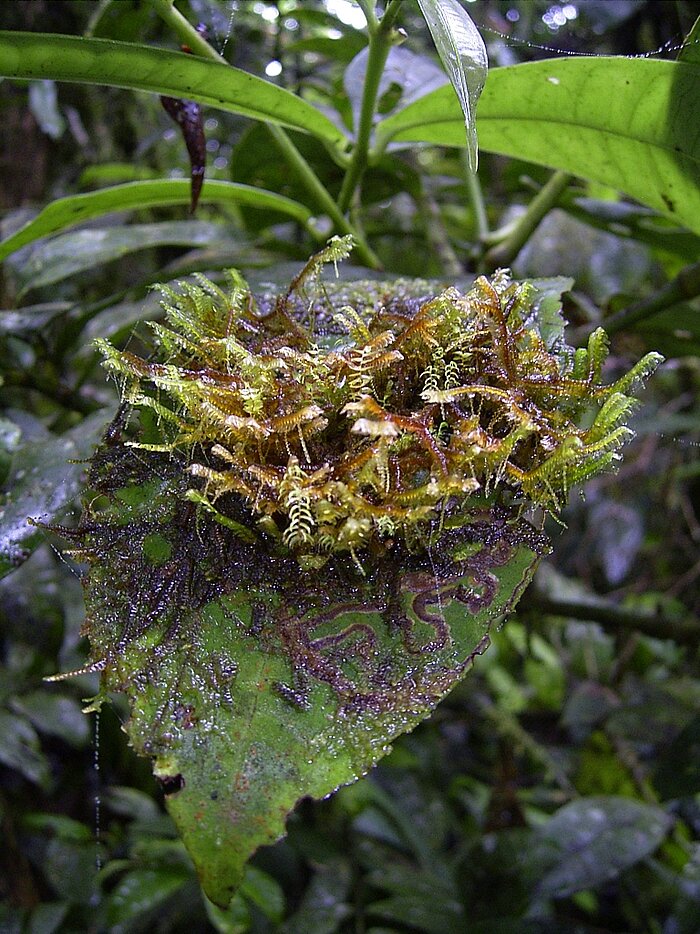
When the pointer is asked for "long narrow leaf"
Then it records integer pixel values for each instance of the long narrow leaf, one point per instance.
(463, 53)
(67, 212)
(143, 68)
(630, 123)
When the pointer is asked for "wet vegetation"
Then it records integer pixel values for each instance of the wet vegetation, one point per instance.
(312, 494)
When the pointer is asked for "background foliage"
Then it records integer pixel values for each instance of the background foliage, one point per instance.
(557, 788)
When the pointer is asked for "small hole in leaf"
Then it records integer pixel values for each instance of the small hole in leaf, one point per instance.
(171, 784)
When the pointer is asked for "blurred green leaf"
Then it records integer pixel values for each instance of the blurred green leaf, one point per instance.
(10, 439)
(20, 749)
(115, 173)
(324, 906)
(55, 714)
(73, 253)
(677, 772)
(45, 477)
(342, 49)
(559, 113)
(71, 869)
(144, 68)
(141, 892)
(47, 918)
(592, 840)
(76, 209)
(32, 318)
(262, 890)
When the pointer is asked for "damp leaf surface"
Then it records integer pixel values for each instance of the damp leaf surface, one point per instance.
(323, 509)
(463, 53)
(253, 692)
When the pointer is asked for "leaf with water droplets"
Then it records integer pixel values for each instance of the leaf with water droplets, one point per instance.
(253, 685)
(463, 53)
(44, 477)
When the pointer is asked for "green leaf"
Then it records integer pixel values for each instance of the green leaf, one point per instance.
(690, 53)
(324, 906)
(30, 320)
(238, 733)
(463, 53)
(69, 867)
(20, 749)
(76, 252)
(47, 918)
(141, 892)
(592, 840)
(63, 213)
(176, 74)
(55, 714)
(622, 122)
(45, 477)
(633, 222)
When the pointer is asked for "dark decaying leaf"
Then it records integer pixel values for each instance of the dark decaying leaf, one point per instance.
(188, 116)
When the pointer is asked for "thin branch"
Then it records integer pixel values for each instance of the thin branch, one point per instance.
(683, 288)
(505, 252)
(476, 198)
(184, 30)
(684, 630)
(321, 195)
(379, 46)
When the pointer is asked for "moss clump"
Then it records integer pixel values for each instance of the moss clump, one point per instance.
(347, 429)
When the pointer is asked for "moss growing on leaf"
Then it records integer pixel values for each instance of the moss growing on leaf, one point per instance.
(321, 517)
(348, 429)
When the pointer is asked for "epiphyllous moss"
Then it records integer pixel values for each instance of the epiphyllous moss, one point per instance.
(346, 429)
(324, 507)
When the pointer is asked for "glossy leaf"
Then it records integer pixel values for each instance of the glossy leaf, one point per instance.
(76, 252)
(31, 318)
(64, 213)
(142, 891)
(236, 736)
(619, 121)
(592, 840)
(44, 478)
(143, 68)
(463, 53)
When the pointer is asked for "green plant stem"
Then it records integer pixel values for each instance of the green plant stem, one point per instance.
(367, 7)
(476, 198)
(190, 37)
(185, 31)
(437, 235)
(314, 186)
(96, 16)
(684, 287)
(379, 46)
(505, 252)
(615, 618)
